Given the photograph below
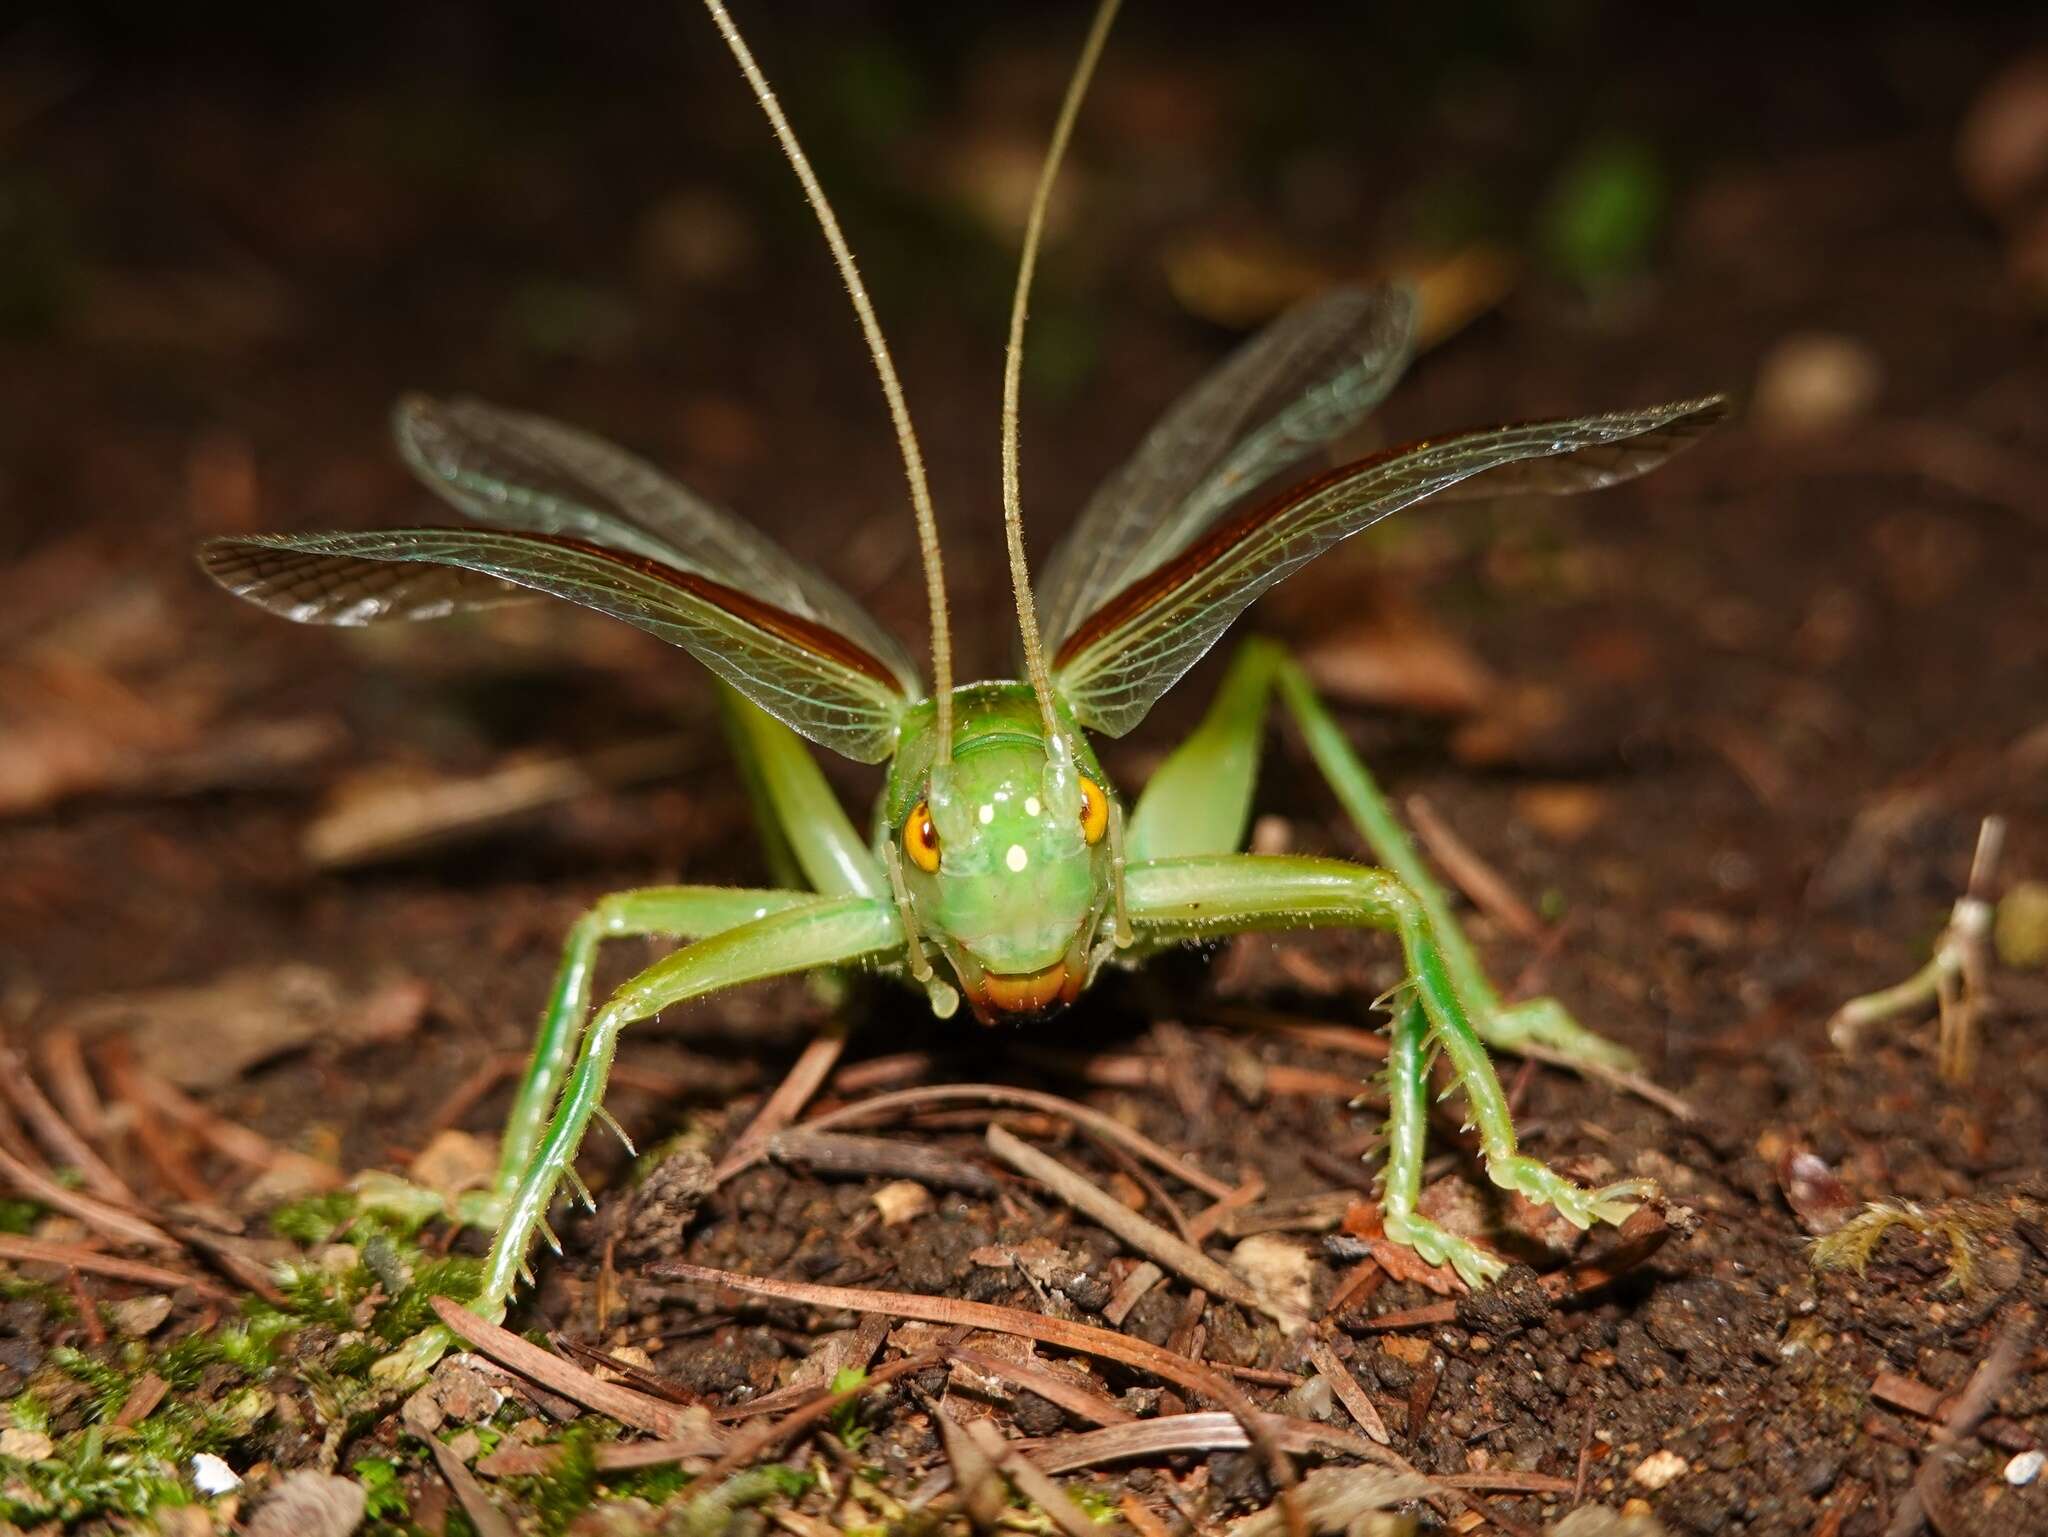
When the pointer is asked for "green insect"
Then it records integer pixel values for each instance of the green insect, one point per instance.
(1003, 866)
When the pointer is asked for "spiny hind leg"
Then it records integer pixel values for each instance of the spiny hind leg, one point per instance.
(1199, 802)
(1198, 896)
(674, 912)
(1537, 1021)
(1407, 1145)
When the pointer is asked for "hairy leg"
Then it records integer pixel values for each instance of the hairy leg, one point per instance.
(1199, 802)
(1201, 896)
(814, 932)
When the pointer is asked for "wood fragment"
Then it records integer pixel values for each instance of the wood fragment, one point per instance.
(63, 1060)
(1971, 1406)
(1058, 1332)
(475, 1501)
(883, 1106)
(1140, 1515)
(1485, 886)
(564, 1377)
(1350, 1392)
(812, 1066)
(368, 821)
(1140, 1233)
(231, 1140)
(977, 1485)
(757, 1441)
(1140, 1281)
(1211, 1217)
(60, 1140)
(1049, 1385)
(35, 1251)
(1034, 1483)
(830, 1152)
(142, 1399)
(102, 1216)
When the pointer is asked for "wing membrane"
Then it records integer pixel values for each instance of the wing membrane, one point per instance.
(817, 680)
(511, 470)
(1116, 662)
(1308, 378)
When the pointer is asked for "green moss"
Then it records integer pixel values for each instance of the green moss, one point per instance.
(383, 1496)
(315, 1219)
(456, 1276)
(562, 1493)
(19, 1216)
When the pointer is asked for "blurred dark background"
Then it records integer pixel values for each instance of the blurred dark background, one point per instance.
(231, 235)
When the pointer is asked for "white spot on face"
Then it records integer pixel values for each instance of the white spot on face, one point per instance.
(1017, 859)
(1031, 806)
(987, 814)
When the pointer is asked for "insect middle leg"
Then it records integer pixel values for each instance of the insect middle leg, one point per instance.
(1199, 802)
(1200, 896)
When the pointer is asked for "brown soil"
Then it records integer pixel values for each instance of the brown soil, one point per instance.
(1748, 714)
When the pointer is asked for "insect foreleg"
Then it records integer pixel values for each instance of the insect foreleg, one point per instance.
(675, 912)
(1200, 896)
(807, 933)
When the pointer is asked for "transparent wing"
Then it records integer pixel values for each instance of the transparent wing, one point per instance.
(1121, 658)
(810, 676)
(1310, 377)
(511, 470)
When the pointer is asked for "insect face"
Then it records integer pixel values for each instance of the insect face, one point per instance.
(1006, 858)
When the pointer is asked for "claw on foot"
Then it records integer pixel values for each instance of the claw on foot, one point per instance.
(1532, 1177)
(1478, 1268)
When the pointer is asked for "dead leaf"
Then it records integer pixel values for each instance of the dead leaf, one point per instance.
(309, 1504)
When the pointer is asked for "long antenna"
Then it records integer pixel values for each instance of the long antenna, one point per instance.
(885, 370)
(1013, 361)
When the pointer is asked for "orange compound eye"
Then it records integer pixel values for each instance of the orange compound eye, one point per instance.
(921, 839)
(1094, 810)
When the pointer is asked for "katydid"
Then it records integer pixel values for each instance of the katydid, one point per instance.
(1003, 866)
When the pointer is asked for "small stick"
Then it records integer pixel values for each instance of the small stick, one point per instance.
(752, 1444)
(1034, 1483)
(156, 1142)
(1585, 1460)
(1059, 1332)
(88, 1310)
(114, 1221)
(1213, 1216)
(36, 1251)
(63, 1143)
(884, 1105)
(1350, 1392)
(808, 1073)
(563, 1377)
(1487, 888)
(1132, 1291)
(1955, 976)
(1975, 1401)
(829, 1152)
(71, 1085)
(1048, 1385)
(142, 1399)
(233, 1140)
(483, 1513)
(1140, 1233)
